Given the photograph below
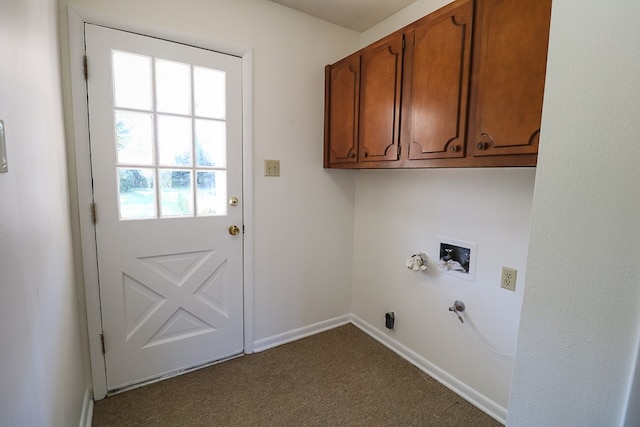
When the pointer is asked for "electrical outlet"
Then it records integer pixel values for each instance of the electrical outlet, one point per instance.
(508, 280)
(272, 168)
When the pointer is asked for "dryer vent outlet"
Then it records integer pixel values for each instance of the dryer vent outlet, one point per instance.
(390, 320)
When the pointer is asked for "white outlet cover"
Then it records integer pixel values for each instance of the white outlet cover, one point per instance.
(514, 276)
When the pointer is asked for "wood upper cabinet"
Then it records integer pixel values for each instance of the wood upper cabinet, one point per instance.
(461, 87)
(436, 83)
(380, 96)
(342, 95)
(510, 56)
(362, 106)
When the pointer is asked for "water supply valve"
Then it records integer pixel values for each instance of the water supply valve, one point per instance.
(457, 308)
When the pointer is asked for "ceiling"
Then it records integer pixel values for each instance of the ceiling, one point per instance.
(358, 15)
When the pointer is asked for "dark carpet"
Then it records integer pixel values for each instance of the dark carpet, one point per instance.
(341, 377)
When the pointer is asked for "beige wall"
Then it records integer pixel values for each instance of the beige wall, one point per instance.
(41, 367)
(579, 327)
(398, 213)
(578, 335)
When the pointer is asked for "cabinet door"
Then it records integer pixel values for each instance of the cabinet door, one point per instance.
(510, 59)
(437, 79)
(380, 89)
(342, 88)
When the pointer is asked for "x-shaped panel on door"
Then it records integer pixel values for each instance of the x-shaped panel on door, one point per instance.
(171, 297)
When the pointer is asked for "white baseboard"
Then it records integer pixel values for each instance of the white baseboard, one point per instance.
(477, 399)
(296, 334)
(86, 417)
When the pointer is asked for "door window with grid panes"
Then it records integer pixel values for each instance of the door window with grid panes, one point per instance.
(170, 128)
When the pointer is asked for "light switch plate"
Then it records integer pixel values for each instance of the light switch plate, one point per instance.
(272, 168)
(4, 167)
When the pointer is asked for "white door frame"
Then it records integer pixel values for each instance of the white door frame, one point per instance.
(76, 20)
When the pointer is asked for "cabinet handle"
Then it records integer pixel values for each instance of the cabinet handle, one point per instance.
(352, 155)
(484, 145)
(365, 154)
(453, 148)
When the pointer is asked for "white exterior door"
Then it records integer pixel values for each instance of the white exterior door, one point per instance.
(166, 154)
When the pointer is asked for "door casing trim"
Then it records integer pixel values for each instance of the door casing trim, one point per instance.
(76, 18)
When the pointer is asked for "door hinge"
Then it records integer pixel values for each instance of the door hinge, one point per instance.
(93, 213)
(85, 67)
(102, 343)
